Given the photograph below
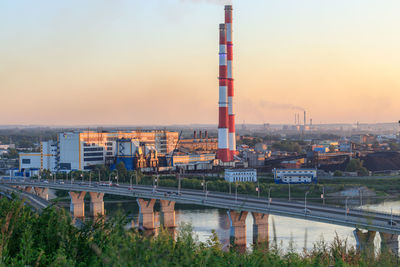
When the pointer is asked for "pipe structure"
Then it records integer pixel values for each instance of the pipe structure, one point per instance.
(229, 46)
(223, 146)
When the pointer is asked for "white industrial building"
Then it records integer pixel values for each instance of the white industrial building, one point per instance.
(240, 175)
(295, 176)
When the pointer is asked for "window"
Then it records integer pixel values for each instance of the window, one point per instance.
(26, 161)
(65, 166)
(93, 154)
(109, 153)
(93, 149)
(94, 159)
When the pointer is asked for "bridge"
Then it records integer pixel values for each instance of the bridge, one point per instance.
(238, 207)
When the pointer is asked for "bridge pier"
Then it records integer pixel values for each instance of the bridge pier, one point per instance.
(260, 228)
(146, 213)
(168, 213)
(365, 241)
(96, 204)
(238, 227)
(389, 242)
(77, 206)
(42, 192)
(28, 189)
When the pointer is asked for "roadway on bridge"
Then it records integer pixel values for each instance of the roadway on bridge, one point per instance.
(322, 213)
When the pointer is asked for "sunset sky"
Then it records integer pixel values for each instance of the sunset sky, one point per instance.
(136, 62)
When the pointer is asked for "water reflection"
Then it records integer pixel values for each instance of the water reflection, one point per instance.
(300, 233)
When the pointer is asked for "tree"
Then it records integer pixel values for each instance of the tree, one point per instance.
(337, 173)
(354, 165)
(122, 171)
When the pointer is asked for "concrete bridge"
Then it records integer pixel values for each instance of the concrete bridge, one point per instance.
(238, 207)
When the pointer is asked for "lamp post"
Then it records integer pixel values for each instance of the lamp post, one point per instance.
(269, 197)
(236, 185)
(90, 178)
(323, 195)
(346, 211)
(131, 180)
(391, 217)
(179, 183)
(99, 175)
(305, 202)
(258, 189)
(204, 184)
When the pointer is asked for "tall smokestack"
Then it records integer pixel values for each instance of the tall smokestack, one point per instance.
(305, 121)
(223, 146)
(194, 135)
(229, 46)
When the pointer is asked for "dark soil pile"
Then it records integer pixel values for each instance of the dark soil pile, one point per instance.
(382, 161)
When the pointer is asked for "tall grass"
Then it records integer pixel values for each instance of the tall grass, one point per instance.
(50, 239)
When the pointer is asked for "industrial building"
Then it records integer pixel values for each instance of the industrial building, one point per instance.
(240, 175)
(83, 150)
(199, 144)
(295, 176)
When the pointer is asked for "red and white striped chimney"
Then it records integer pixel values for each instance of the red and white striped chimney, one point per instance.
(223, 145)
(229, 46)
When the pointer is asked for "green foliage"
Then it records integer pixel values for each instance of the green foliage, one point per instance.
(122, 171)
(50, 239)
(337, 173)
(356, 165)
(289, 146)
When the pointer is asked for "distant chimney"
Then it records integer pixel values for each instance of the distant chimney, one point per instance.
(206, 134)
(200, 136)
(310, 122)
(194, 135)
(305, 119)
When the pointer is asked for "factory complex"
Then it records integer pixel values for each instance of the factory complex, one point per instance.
(84, 150)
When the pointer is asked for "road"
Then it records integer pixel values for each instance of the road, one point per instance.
(354, 218)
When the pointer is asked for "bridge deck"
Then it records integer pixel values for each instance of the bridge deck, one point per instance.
(328, 214)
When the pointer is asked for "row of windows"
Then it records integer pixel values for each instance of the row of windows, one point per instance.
(109, 153)
(93, 154)
(26, 161)
(93, 149)
(302, 171)
(94, 159)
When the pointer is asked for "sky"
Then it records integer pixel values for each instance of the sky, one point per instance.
(155, 62)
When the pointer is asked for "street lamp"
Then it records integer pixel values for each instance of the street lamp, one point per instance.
(305, 202)
(99, 175)
(90, 178)
(236, 185)
(269, 197)
(204, 184)
(131, 180)
(258, 189)
(346, 211)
